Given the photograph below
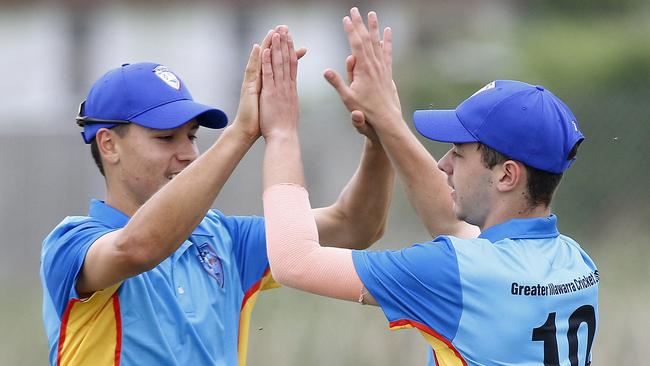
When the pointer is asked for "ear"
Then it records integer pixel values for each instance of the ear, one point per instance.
(107, 144)
(510, 175)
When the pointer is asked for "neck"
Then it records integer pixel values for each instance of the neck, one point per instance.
(121, 200)
(504, 213)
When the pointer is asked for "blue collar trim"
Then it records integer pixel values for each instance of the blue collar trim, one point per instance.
(533, 228)
(116, 219)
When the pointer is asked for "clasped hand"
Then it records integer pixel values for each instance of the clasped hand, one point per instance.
(279, 108)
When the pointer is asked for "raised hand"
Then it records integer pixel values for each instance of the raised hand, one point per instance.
(356, 116)
(247, 117)
(279, 107)
(371, 90)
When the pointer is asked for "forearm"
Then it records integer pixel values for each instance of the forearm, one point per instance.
(296, 258)
(168, 218)
(358, 217)
(425, 185)
(282, 160)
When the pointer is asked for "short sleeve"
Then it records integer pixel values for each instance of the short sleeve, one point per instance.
(64, 251)
(420, 283)
(249, 248)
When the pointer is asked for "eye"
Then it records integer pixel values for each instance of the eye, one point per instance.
(165, 137)
(192, 137)
(455, 154)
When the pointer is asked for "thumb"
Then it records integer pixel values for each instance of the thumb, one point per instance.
(358, 118)
(337, 82)
(254, 64)
(300, 52)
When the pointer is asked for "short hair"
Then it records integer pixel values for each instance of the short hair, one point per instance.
(541, 184)
(121, 131)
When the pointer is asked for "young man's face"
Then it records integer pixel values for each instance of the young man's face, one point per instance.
(150, 158)
(471, 182)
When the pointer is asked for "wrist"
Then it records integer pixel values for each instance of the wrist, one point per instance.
(384, 118)
(373, 144)
(247, 136)
(281, 135)
(243, 133)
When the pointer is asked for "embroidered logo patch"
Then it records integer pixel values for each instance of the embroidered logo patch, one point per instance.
(489, 86)
(211, 262)
(167, 76)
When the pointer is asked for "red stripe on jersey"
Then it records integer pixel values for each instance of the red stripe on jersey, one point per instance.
(118, 328)
(64, 326)
(251, 291)
(433, 333)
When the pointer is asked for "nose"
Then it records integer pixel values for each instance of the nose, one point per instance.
(445, 163)
(187, 151)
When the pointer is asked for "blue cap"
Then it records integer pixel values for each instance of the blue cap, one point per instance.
(146, 93)
(522, 121)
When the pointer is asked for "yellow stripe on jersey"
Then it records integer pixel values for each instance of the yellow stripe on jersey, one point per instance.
(443, 351)
(267, 282)
(91, 331)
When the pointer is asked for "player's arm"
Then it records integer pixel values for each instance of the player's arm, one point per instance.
(358, 217)
(289, 215)
(372, 91)
(167, 219)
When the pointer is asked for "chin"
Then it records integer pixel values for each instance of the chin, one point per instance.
(458, 213)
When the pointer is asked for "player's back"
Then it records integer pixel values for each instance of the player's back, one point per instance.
(526, 301)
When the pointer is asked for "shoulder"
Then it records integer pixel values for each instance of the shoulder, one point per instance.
(459, 244)
(72, 225)
(72, 237)
(577, 248)
(216, 220)
(214, 216)
(441, 250)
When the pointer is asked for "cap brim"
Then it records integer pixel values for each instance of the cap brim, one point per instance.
(442, 125)
(177, 113)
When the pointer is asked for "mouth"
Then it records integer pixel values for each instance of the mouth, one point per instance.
(172, 175)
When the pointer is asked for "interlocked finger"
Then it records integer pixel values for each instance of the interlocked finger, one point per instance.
(373, 29)
(267, 69)
(276, 57)
(349, 67)
(387, 49)
(356, 44)
(284, 42)
(293, 59)
(253, 65)
(362, 32)
(266, 42)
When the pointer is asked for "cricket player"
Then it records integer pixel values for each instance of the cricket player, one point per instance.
(152, 275)
(520, 293)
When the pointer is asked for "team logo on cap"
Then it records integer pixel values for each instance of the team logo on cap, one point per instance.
(167, 76)
(487, 87)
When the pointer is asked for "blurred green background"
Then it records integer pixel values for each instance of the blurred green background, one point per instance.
(594, 55)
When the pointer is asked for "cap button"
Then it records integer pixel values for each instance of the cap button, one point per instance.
(540, 88)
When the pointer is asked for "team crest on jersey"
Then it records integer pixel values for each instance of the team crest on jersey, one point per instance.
(211, 262)
(167, 76)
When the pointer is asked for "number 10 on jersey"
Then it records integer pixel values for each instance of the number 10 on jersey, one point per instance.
(547, 333)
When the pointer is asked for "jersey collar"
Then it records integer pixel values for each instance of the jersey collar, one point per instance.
(533, 228)
(107, 214)
(117, 219)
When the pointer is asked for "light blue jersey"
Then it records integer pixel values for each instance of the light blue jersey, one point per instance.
(520, 294)
(191, 309)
